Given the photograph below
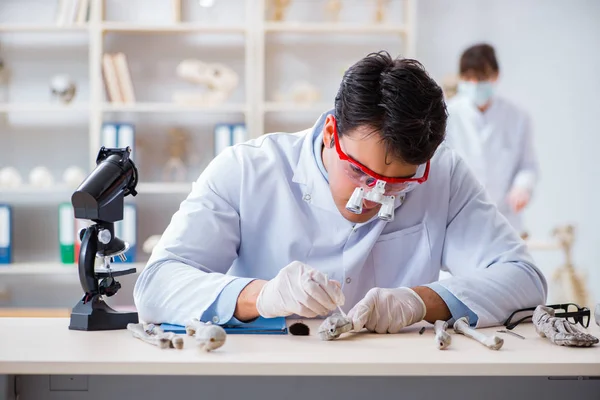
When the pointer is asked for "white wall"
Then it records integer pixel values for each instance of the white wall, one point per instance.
(549, 55)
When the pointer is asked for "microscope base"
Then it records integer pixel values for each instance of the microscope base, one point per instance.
(96, 315)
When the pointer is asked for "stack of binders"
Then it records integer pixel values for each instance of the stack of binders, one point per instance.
(5, 234)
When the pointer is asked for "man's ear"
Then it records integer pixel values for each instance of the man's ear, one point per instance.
(328, 131)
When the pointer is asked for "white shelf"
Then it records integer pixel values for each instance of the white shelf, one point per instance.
(123, 27)
(55, 268)
(296, 107)
(342, 28)
(43, 107)
(171, 107)
(55, 189)
(164, 187)
(42, 28)
(543, 245)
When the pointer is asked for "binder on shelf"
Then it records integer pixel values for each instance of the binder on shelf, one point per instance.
(222, 137)
(109, 135)
(239, 133)
(228, 135)
(126, 230)
(66, 233)
(126, 137)
(5, 234)
(119, 135)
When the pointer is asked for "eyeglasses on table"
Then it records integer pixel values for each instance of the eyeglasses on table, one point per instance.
(571, 311)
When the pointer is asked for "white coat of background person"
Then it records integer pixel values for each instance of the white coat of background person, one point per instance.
(492, 135)
(266, 231)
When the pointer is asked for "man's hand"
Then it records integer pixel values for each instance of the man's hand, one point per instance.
(387, 310)
(518, 198)
(299, 289)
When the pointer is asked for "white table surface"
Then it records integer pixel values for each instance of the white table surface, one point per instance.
(47, 346)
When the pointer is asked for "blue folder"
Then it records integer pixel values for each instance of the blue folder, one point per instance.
(260, 326)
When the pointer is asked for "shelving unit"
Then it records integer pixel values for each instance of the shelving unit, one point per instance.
(254, 109)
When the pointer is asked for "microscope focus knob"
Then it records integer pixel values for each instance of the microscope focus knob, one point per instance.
(104, 236)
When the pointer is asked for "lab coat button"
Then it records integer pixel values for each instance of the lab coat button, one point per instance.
(306, 197)
(215, 319)
(348, 280)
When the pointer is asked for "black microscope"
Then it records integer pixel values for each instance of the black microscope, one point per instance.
(100, 199)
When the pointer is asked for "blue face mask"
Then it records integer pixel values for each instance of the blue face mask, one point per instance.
(479, 93)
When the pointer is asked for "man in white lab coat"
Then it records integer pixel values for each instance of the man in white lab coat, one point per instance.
(492, 135)
(267, 229)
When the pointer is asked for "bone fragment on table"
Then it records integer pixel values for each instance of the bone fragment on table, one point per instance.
(208, 336)
(333, 326)
(155, 336)
(559, 330)
(442, 338)
(491, 342)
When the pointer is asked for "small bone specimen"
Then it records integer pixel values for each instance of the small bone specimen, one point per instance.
(208, 336)
(442, 338)
(333, 326)
(558, 330)
(491, 342)
(155, 336)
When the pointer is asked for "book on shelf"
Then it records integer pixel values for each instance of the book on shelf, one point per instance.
(117, 78)
(72, 12)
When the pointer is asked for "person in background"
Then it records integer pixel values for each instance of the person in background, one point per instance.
(492, 135)
(276, 226)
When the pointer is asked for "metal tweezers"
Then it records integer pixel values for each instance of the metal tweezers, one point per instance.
(512, 333)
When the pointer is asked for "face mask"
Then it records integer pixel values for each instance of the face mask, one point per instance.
(479, 93)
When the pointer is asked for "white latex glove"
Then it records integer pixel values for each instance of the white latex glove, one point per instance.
(387, 310)
(301, 290)
(518, 198)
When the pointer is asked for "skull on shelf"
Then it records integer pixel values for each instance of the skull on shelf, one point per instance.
(219, 80)
(63, 88)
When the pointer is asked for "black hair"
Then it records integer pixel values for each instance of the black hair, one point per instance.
(479, 59)
(398, 100)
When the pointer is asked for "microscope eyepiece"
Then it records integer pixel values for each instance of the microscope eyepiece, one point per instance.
(100, 197)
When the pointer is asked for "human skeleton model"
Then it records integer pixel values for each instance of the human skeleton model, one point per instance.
(559, 330)
(280, 6)
(175, 169)
(333, 8)
(380, 10)
(566, 277)
(219, 80)
(491, 342)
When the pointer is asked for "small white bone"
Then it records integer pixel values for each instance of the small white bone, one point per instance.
(155, 336)
(208, 336)
(491, 342)
(442, 338)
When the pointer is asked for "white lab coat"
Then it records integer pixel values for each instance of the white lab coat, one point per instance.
(262, 204)
(498, 146)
